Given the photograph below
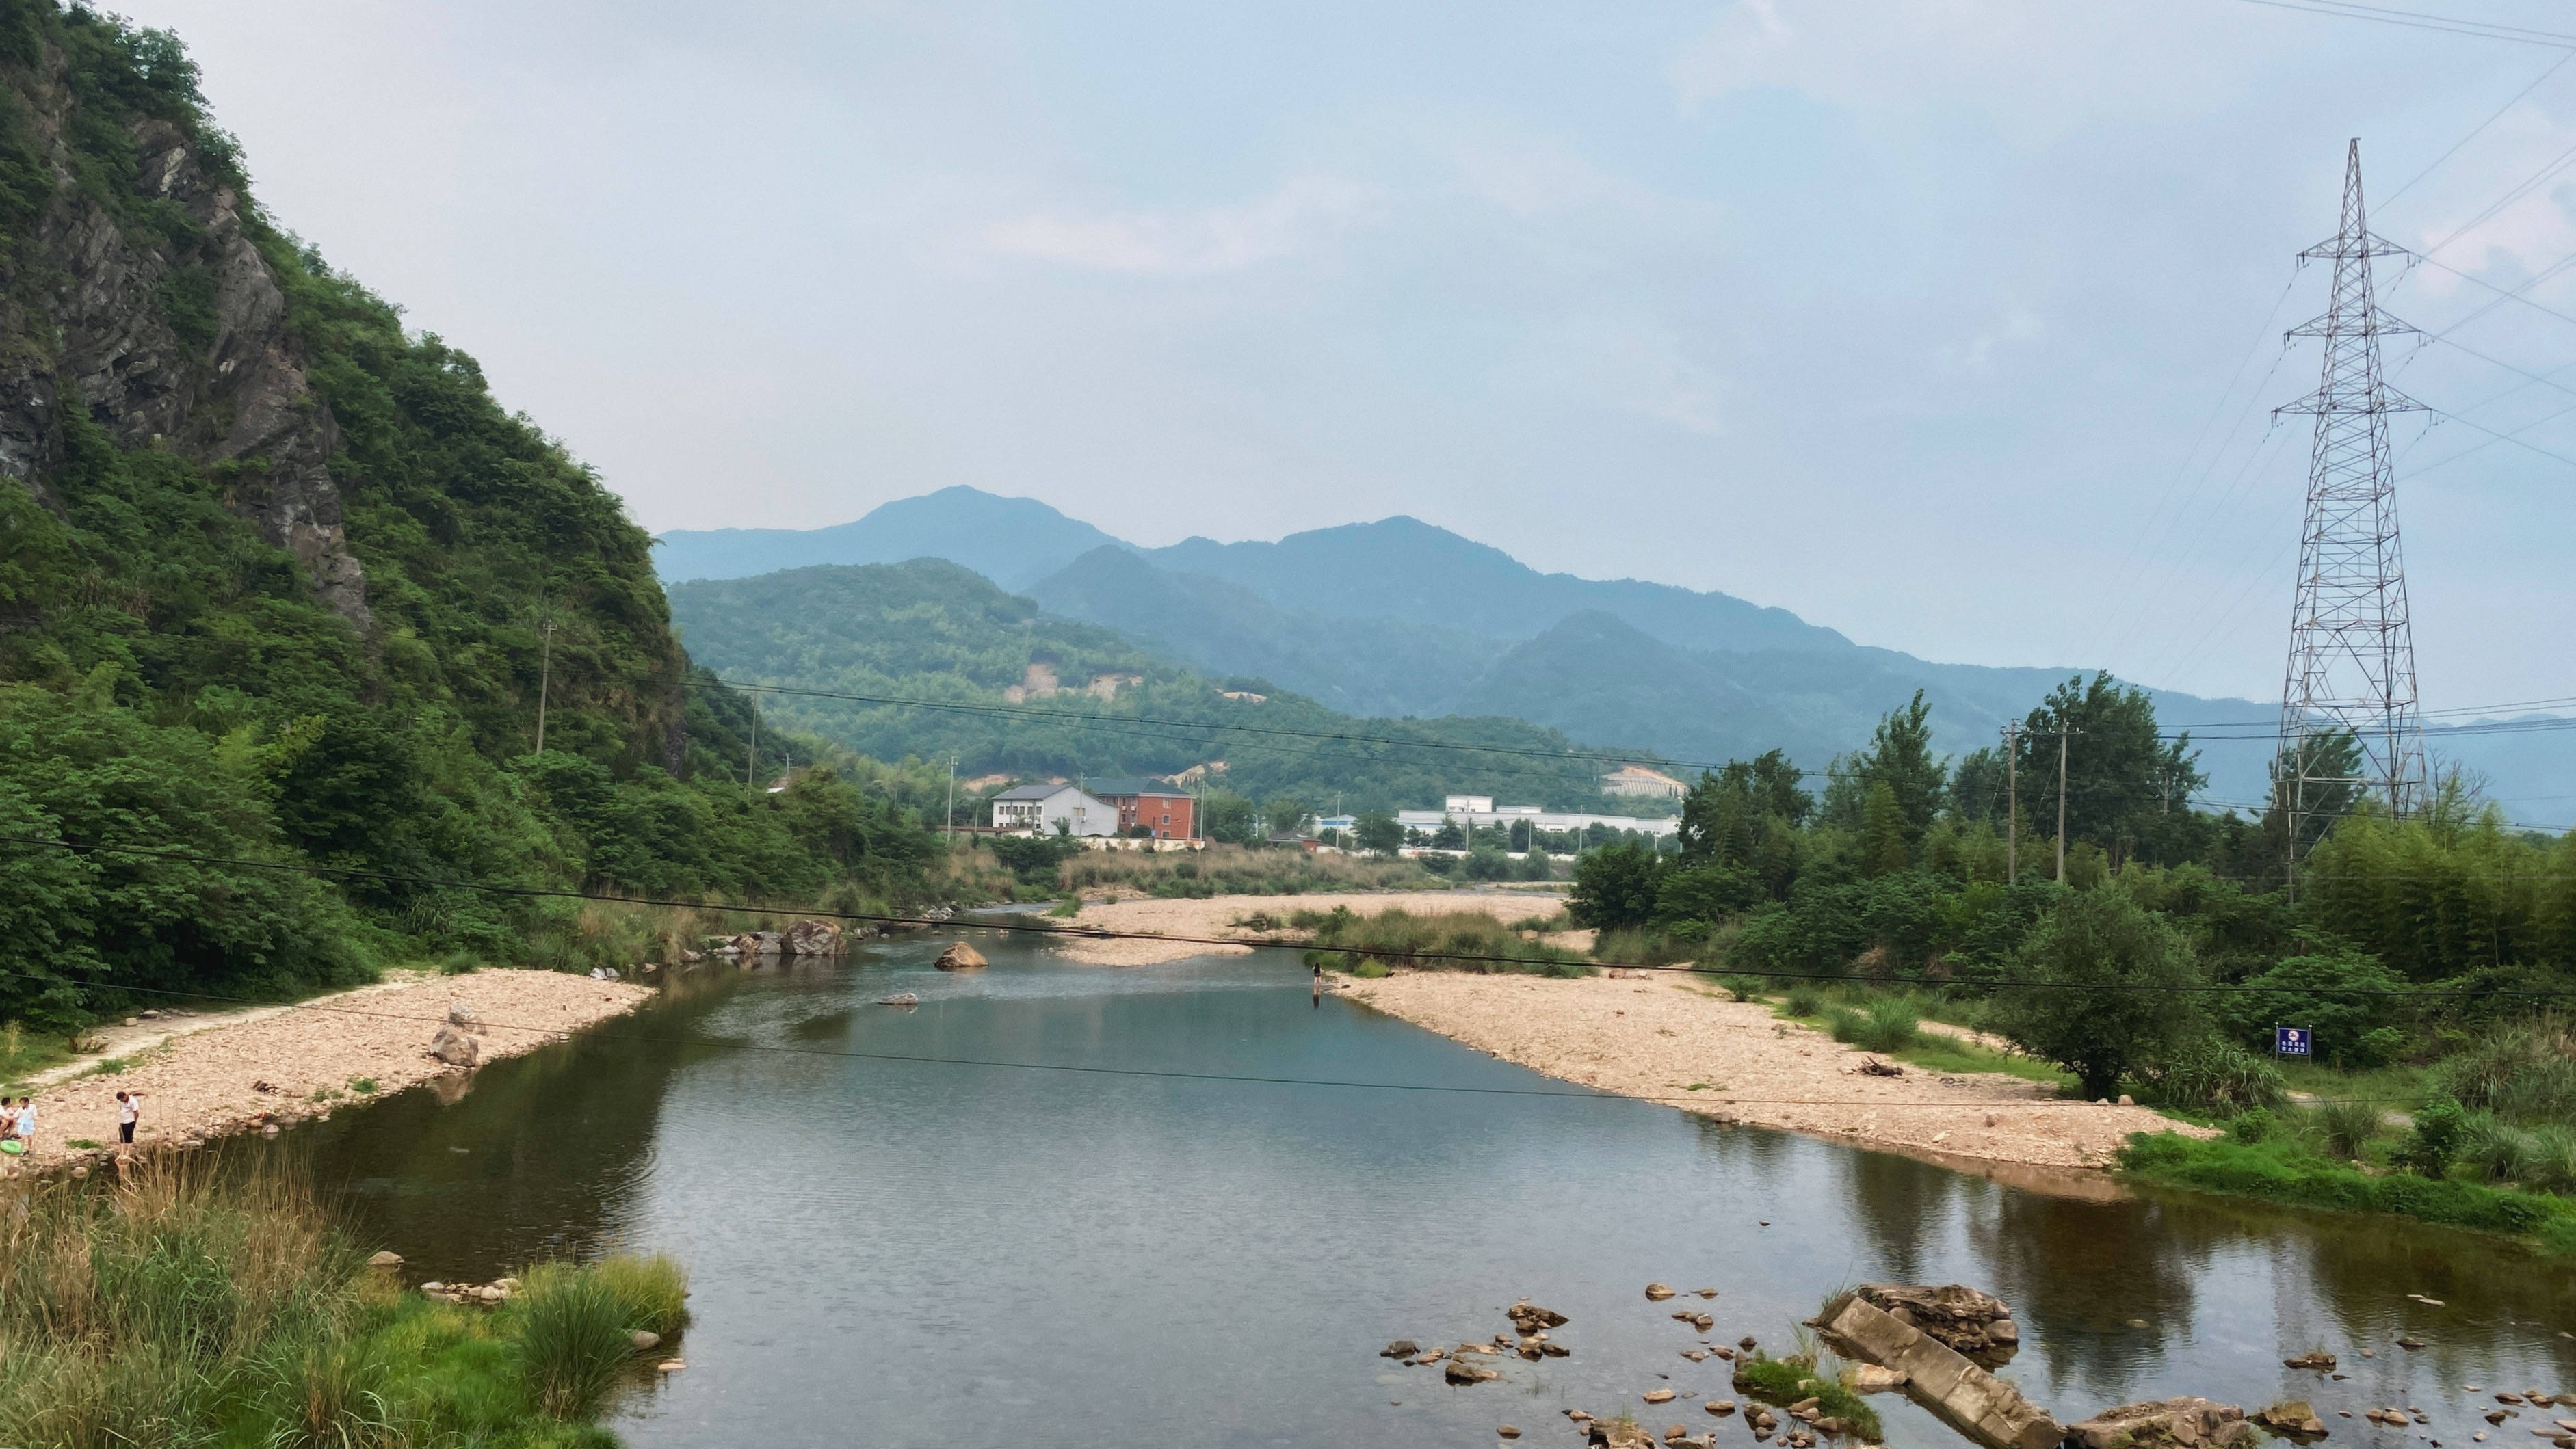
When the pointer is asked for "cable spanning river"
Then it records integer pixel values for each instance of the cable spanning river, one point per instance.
(900, 1253)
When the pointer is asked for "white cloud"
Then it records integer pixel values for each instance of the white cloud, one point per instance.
(2017, 323)
(1195, 241)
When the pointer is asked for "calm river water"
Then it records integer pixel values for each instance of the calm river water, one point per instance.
(901, 1253)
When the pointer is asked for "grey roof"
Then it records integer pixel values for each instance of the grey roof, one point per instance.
(1105, 788)
(1032, 792)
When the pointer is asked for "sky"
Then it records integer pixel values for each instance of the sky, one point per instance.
(1951, 324)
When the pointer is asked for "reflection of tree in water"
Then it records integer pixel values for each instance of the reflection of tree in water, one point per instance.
(1900, 1204)
(2077, 1272)
(1766, 1156)
(538, 1158)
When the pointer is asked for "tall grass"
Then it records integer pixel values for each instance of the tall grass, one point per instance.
(1883, 1024)
(191, 1305)
(2346, 1127)
(2524, 1072)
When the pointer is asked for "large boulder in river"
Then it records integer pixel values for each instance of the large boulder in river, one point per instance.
(454, 1047)
(961, 957)
(2178, 1423)
(811, 938)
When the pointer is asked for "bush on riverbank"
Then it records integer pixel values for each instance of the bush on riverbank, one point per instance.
(1468, 941)
(2288, 1170)
(1789, 1380)
(182, 1306)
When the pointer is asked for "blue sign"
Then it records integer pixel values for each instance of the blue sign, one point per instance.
(2293, 1041)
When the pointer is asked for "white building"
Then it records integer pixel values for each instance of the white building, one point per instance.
(1491, 818)
(1637, 780)
(1042, 808)
(1467, 805)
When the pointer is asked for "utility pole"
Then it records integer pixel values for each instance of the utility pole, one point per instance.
(952, 795)
(2352, 646)
(2012, 802)
(545, 677)
(751, 755)
(2064, 731)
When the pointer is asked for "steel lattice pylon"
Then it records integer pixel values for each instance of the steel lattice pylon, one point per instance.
(2352, 652)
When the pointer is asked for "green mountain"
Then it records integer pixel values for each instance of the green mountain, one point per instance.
(281, 584)
(1043, 696)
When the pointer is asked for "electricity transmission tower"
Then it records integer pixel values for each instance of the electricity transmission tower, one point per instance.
(2349, 722)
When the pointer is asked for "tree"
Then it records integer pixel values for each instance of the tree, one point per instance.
(1614, 887)
(1379, 832)
(2346, 997)
(1227, 817)
(2109, 997)
(1882, 832)
(1285, 815)
(2127, 788)
(1723, 814)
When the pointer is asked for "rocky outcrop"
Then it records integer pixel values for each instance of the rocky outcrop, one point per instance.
(453, 1046)
(961, 957)
(172, 335)
(2179, 1423)
(1938, 1376)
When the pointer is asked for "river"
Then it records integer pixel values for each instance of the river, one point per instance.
(891, 1252)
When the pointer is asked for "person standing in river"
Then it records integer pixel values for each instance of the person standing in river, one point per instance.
(1319, 986)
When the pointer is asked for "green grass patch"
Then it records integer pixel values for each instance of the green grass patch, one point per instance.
(1789, 1380)
(2289, 1170)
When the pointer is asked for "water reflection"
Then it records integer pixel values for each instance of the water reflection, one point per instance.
(1090, 1257)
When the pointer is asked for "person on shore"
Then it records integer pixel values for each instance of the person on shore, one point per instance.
(26, 1127)
(9, 1123)
(129, 1106)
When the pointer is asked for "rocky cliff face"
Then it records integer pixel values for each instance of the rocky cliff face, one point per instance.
(155, 315)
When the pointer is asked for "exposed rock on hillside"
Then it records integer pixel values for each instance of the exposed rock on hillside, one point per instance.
(155, 316)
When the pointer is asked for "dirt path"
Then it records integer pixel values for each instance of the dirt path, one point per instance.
(1668, 1040)
(201, 1076)
(1216, 916)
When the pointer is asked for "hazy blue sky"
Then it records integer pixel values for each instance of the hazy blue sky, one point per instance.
(1916, 317)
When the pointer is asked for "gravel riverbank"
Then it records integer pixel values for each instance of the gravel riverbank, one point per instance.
(282, 1064)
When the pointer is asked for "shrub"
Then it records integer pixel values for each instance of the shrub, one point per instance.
(2327, 993)
(2523, 1072)
(652, 1290)
(1805, 1001)
(1615, 886)
(2252, 1126)
(1465, 941)
(572, 1333)
(2104, 1011)
(2441, 1129)
(2216, 1076)
(2347, 1126)
(1886, 1024)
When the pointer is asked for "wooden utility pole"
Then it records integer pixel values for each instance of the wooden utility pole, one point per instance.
(2012, 802)
(2064, 731)
(952, 795)
(545, 677)
(751, 754)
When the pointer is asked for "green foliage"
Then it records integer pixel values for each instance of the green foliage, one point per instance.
(2126, 786)
(1377, 832)
(2214, 1076)
(572, 1336)
(1882, 832)
(2441, 1129)
(2328, 992)
(1795, 1378)
(2346, 1126)
(2523, 1072)
(2284, 1170)
(186, 298)
(1615, 887)
(1885, 1024)
(1227, 817)
(1486, 862)
(2447, 891)
(929, 629)
(2115, 999)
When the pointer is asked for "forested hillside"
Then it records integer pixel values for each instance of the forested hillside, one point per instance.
(1080, 699)
(276, 587)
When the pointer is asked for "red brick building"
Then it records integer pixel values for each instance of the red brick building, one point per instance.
(1166, 810)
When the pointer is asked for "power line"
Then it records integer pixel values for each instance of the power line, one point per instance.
(1029, 928)
(1597, 1095)
(2418, 20)
(2480, 130)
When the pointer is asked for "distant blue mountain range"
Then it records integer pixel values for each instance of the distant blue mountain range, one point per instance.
(1399, 617)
